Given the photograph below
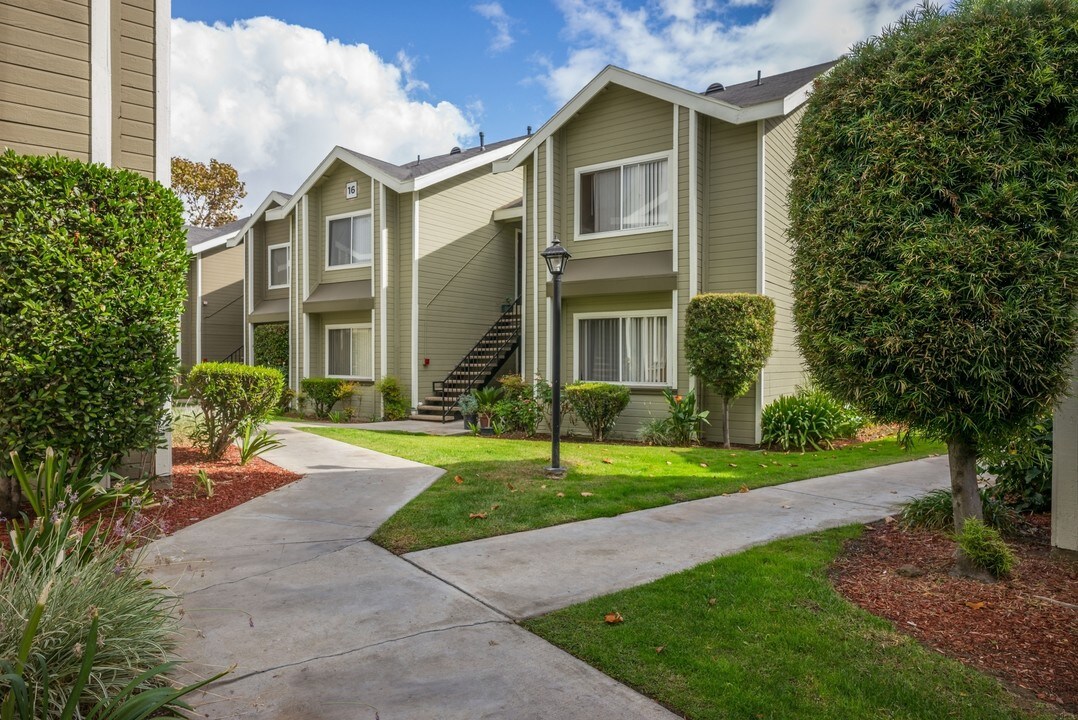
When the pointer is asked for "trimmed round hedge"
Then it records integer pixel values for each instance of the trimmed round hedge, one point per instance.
(92, 268)
(935, 219)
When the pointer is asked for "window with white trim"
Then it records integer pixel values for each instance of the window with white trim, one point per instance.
(630, 349)
(348, 241)
(279, 259)
(627, 196)
(350, 351)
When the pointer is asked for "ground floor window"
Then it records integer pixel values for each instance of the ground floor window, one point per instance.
(630, 349)
(350, 351)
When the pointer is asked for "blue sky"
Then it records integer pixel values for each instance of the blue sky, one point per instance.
(271, 86)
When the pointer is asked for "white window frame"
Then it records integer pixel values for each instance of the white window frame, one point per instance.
(615, 315)
(342, 216)
(269, 264)
(670, 196)
(325, 348)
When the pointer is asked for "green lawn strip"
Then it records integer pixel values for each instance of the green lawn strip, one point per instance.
(505, 480)
(762, 634)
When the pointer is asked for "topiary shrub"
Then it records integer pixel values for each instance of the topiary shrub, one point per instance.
(270, 346)
(92, 268)
(326, 392)
(598, 405)
(810, 417)
(934, 228)
(727, 342)
(984, 549)
(395, 406)
(231, 397)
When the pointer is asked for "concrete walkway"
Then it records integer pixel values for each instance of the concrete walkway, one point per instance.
(322, 624)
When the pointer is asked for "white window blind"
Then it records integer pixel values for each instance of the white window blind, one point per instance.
(627, 197)
(627, 350)
(348, 352)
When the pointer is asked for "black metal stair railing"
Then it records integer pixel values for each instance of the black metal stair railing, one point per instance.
(482, 362)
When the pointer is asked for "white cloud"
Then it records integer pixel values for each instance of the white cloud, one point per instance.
(273, 99)
(493, 11)
(693, 43)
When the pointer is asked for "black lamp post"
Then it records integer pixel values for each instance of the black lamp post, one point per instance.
(556, 258)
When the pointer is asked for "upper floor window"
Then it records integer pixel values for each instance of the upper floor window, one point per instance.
(630, 348)
(633, 195)
(348, 240)
(279, 258)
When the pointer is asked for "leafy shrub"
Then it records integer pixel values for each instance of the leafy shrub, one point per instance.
(810, 417)
(486, 399)
(933, 511)
(270, 347)
(1023, 468)
(984, 548)
(682, 425)
(326, 392)
(230, 398)
(728, 340)
(253, 444)
(519, 410)
(92, 278)
(544, 394)
(394, 405)
(598, 405)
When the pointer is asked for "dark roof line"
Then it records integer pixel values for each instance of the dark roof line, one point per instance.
(425, 166)
(772, 87)
(198, 235)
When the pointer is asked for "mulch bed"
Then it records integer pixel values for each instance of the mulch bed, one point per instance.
(1010, 629)
(186, 502)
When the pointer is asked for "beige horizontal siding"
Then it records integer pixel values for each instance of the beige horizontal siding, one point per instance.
(365, 403)
(730, 242)
(784, 371)
(188, 319)
(327, 200)
(222, 308)
(465, 266)
(617, 124)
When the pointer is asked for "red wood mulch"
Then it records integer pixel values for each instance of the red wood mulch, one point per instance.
(1006, 628)
(186, 502)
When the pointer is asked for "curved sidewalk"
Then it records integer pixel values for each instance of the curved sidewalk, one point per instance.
(323, 625)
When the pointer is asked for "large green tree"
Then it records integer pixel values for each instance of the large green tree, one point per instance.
(935, 231)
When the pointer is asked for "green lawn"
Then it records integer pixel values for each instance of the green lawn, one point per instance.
(762, 634)
(504, 480)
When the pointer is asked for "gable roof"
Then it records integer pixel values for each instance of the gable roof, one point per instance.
(409, 176)
(275, 198)
(200, 239)
(775, 96)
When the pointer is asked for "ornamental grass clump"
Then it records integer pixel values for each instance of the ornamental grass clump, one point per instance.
(809, 417)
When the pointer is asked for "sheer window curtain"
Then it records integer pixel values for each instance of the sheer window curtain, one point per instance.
(599, 350)
(279, 266)
(629, 350)
(645, 193)
(361, 239)
(339, 352)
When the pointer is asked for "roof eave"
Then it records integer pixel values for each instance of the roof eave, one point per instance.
(483, 158)
(273, 197)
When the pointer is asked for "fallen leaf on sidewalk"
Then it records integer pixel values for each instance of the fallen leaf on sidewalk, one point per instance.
(613, 618)
(786, 507)
(458, 479)
(586, 494)
(477, 516)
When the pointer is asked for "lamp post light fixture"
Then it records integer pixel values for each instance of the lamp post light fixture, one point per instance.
(557, 257)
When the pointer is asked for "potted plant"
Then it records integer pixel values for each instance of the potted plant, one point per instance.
(485, 400)
(468, 407)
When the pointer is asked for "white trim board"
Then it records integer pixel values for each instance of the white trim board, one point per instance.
(162, 97)
(101, 82)
(274, 197)
(344, 216)
(414, 375)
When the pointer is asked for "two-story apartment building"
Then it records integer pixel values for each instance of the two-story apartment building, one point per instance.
(659, 193)
(383, 269)
(211, 327)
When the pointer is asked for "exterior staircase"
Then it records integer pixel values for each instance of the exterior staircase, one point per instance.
(475, 370)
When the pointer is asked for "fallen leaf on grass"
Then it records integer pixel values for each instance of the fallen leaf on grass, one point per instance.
(763, 465)
(703, 464)
(613, 618)
(586, 494)
(712, 601)
(733, 464)
(458, 479)
(477, 516)
(975, 605)
(495, 506)
(561, 494)
(510, 486)
(608, 461)
(660, 649)
(669, 463)
(743, 489)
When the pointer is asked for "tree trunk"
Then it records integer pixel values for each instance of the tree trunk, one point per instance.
(726, 422)
(10, 497)
(965, 495)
